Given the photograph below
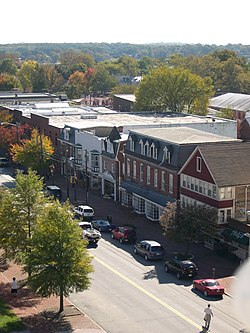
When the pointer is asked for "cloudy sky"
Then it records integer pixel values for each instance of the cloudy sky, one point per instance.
(132, 21)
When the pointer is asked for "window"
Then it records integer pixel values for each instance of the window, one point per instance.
(166, 155)
(226, 193)
(163, 181)
(146, 150)
(155, 178)
(171, 183)
(142, 146)
(131, 144)
(221, 216)
(148, 175)
(128, 167)
(141, 172)
(214, 192)
(198, 164)
(105, 165)
(152, 148)
(184, 180)
(112, 167)
(134, 169)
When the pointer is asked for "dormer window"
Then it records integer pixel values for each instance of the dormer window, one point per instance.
(166, 155)
(66, 133)
(131, 144)
(146, 149)
(142, 146)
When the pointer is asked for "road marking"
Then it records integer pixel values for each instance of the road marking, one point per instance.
(169, 307)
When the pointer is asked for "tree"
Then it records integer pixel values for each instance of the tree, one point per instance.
(130, 65)
(8, 82)
(26, 74)
(101, 81)
(19, 210)
(187, 224)
(124, 89)
(10, 133)
(59, 258)
(8, 66)
(76, 85)
(34, 153)
(173, 90)
(226, 114)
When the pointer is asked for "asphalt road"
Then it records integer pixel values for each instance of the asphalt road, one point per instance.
(130, 295)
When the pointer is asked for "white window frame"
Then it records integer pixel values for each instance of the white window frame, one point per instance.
(155, 177)
(148, 174)
(170, 183)
(128, 167)
(163, 180)
(141, 172)
(134, 169)
(198, 164)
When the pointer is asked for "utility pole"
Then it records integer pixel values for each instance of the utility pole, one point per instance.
(86, 176)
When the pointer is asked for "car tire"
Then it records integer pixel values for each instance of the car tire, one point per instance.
(112, 236)
(146, 257)
(121, 240)
(135, 251)
(205, 293)
(166, 269)
(178, 275)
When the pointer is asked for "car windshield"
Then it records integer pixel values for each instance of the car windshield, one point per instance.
(212, 283)
(104, 223)
(188, 265)
(88, 210)
(156, 248)
(129, 232)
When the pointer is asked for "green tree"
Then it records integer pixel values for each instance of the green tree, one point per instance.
(59, 258)
(130, 65)
(187, 224)
(124, 89)
(55, 81)
(8, 82)
(19, 211)
(8, 66)
(34, 153)
(102, 82)
(226, 114)
(173, 90)
(26, 75)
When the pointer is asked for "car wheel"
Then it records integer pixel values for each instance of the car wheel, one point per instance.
(121, 240)
(146, 257)
(135, 251)
(166, 269)
(205, 293)
(112, 236)
(178, 275)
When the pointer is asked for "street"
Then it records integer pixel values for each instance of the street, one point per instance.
(130, 295)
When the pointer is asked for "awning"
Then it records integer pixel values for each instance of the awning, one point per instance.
(236, 235)
(156, 198)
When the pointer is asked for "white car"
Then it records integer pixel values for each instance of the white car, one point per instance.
(89, 233)
(85, 212)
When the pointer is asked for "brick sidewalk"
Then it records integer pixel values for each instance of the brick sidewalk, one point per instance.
(30, 307)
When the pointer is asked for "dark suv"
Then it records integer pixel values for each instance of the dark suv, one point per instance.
(124, 234)
(182, 268)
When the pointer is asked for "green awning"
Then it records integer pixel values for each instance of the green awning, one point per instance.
(236, 235)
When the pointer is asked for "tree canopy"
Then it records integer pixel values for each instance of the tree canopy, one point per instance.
(173, 90)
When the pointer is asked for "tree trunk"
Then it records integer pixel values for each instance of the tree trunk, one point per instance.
(61, 300)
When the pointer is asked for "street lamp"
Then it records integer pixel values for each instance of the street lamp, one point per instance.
(86, 177)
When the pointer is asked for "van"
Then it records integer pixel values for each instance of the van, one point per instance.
(85, 212)
(54, 191)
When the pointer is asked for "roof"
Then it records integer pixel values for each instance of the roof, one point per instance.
(127, 97)
(228, 162)
(182, 135)
(237, 102)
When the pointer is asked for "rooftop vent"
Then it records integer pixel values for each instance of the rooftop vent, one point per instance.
(86, 116)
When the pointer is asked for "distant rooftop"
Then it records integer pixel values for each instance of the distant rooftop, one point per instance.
(236, 102)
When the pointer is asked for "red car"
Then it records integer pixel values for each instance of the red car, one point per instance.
(209, 287)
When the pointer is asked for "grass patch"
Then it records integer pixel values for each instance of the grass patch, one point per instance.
(8, 320)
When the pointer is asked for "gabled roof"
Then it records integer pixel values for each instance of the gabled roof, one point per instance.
(237, 102)
(229, 163)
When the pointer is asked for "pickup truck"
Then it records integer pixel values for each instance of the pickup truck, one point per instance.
(89, 233)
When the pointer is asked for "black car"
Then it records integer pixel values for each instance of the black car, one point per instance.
(149, 249)
(54, 191)
(182, 268)
(102, 225)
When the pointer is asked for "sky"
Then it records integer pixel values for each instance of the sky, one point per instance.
(219, 22)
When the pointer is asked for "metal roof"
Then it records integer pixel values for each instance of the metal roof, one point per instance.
(236, 102)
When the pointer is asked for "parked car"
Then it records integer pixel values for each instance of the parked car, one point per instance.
(124, 234)
(103, 225)
(84, 212)
(182, 268)
(209, 287)
(149, 249)
(89, 233)
(54, 191)
(4, 162)
(183, 256)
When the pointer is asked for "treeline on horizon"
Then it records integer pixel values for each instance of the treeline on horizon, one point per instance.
(51, 52)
